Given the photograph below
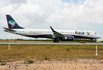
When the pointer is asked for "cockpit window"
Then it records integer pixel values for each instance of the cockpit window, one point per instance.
(95, 33)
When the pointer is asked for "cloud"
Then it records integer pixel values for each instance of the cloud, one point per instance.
(80, 13)
(61, 15)
(17, 1)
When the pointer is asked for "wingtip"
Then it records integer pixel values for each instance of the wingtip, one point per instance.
(52, 29)
(7, 15)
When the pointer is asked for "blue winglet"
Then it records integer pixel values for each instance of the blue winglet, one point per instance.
(52, 29)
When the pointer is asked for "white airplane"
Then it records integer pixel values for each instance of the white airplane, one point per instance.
(63, 35)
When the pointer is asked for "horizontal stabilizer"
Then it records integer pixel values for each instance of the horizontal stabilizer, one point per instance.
(8, 30)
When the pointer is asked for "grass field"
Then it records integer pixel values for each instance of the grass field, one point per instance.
(49, 52)
(38, 40)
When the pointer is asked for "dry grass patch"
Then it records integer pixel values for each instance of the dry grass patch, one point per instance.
(49, 52)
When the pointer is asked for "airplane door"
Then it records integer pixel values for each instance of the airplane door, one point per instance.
(26, 32)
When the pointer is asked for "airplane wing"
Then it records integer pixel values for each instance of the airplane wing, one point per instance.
(57, 34)
(8, 30)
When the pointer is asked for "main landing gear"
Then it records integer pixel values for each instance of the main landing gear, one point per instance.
(56, 40)
(91, 40)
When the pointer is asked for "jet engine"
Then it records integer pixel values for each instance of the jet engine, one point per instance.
(68, 38)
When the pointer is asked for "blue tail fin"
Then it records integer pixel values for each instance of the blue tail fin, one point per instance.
(12, 24)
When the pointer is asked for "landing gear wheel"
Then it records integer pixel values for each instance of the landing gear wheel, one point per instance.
(56, 40)
(91, 40)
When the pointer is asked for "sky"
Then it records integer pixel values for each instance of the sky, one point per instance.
(60, 14)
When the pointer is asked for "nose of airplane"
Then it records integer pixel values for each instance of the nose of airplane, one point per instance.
(98, 36)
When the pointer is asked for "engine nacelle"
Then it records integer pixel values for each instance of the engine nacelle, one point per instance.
(69, 38)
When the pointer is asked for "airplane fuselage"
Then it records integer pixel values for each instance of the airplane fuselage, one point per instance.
(46, 33)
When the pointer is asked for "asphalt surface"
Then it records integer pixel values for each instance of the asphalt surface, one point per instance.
(46, 43)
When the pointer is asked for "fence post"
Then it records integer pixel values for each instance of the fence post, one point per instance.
(96, 50)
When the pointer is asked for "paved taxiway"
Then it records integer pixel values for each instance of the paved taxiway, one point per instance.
(46, 43)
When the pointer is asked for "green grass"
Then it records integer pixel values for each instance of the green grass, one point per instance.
(49, 52)
(67, 49)
(3, 63)
(29, 61)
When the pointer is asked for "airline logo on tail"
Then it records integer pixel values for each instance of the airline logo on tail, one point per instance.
(12, 23)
